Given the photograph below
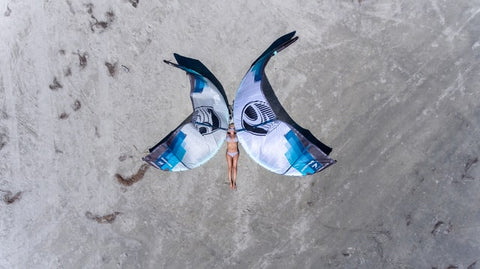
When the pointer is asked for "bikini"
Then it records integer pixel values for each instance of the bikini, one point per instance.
(229, 140)
(232, 154)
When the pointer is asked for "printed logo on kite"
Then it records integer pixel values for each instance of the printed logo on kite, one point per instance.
(258, 118)
(206, 120)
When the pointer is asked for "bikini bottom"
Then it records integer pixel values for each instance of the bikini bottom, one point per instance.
(232, 154)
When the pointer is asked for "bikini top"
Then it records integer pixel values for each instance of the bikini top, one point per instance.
(229, 139)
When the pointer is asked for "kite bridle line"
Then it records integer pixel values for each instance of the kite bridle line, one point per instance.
(257, 125)
(236, 130)
(208, 125)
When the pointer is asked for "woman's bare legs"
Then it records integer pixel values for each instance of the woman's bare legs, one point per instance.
(230, 162)
(234, 170)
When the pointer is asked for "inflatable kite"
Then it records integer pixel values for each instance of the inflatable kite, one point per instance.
(264, 129)
(201, 134)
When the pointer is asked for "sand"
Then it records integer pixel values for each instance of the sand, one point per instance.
(392, 86)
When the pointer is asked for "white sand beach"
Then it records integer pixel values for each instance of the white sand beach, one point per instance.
(392, 86)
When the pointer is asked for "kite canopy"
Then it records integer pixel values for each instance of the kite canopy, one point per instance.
(202, 133)
(266, 131)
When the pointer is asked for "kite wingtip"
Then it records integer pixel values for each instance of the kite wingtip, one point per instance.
(170, 63)
(176, 56)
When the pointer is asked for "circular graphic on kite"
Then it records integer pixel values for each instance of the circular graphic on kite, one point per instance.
(206, 120)
(258, 118)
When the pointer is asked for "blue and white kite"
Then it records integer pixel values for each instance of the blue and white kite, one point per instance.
(201, 134)
(264, 129)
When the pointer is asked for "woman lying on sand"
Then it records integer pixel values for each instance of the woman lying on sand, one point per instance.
(232, 156)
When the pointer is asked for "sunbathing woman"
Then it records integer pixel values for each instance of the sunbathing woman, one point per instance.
(232, 156)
